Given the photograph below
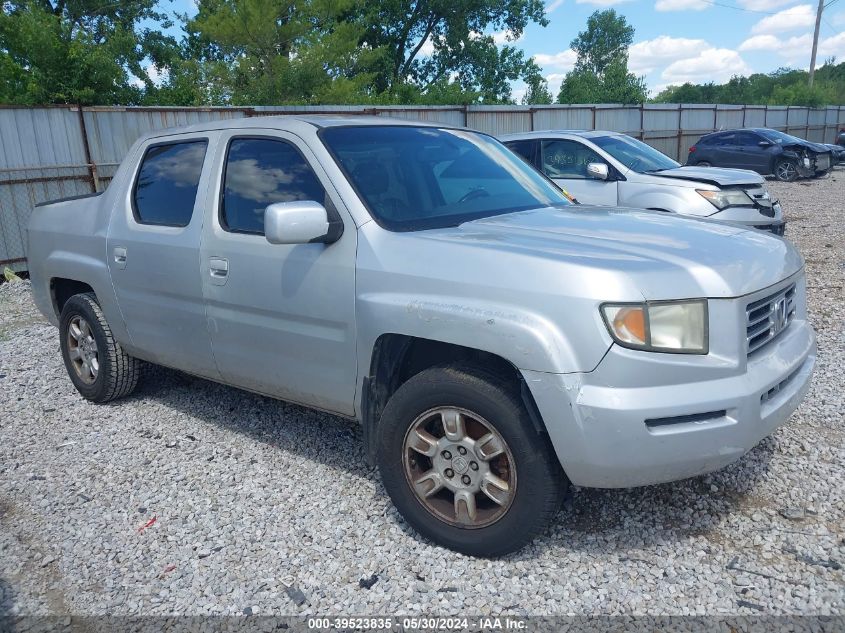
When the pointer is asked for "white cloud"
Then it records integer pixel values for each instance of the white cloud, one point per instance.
(157, 76)
(838, 19)
(712, 64)
(681, 5)
(427, 49)
(554, 4)
(794, 46)
(832, 47)
(797, 47)
(601, 3)
(565, 60)
(518, 93)
(763, 5)
(504, 37)
(555, 80)
(645, 56)
(797, 17)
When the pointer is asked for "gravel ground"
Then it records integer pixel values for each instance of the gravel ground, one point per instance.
(193, 498)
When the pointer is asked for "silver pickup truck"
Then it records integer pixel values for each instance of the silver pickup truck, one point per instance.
(495, 342)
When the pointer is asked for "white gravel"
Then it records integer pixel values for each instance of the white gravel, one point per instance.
(241, 492)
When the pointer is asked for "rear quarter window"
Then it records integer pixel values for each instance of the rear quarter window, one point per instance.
(165, 190)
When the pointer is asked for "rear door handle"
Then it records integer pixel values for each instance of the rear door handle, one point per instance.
(218, 270)
(119, 253)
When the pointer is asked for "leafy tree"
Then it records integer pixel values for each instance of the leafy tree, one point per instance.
(538, 90)
(399, 31)
(606, 40)
(784, 86)
(78, 51)
(601, 70)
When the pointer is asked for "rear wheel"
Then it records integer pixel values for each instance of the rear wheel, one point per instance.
(463, 463)
(96, 363)
(704, 163)
(786, 170)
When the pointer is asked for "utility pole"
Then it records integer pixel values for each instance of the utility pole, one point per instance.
(815, 42)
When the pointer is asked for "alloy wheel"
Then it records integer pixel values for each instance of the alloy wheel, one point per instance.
(459, 467)
(82, 350)
(786, 171)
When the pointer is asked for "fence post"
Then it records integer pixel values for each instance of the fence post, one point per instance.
(92, 168)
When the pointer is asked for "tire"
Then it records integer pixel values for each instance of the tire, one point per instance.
(786, 170)
(536, 481)
(703, 163)
(96, 363)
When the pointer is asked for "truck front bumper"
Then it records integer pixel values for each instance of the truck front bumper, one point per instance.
(614, 437)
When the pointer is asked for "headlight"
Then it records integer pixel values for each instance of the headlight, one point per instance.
(727, 198)
(664, 326)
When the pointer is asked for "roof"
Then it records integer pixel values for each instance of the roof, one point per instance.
(546, 133)
(289, 122)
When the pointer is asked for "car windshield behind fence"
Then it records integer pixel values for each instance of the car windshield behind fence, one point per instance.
(635, 154)
(414, 178)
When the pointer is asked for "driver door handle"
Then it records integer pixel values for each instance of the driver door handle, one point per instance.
(218, 270)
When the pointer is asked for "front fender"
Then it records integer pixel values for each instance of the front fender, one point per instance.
(682, 200)
(525, 339)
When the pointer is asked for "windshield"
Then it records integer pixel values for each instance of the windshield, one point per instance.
(414, 178)
(779, 137)
(635, 154)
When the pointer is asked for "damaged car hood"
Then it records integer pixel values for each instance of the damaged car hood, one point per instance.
(712, 175)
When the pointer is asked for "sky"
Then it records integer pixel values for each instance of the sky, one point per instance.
(682, 40)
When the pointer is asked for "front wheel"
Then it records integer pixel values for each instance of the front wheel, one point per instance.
(704, 163)
(786, 170)
(463, 463)
(96, 363)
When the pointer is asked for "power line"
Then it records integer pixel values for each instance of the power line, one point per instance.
(736, 8)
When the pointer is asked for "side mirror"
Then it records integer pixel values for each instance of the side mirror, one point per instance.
(297, 222)
(764, 144)
(599, 171)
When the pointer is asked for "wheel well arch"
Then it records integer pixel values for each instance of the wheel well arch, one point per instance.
(398, 357)
(62, 289)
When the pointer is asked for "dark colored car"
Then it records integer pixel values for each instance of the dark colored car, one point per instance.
(764, 151)
(838, 152)
(840, 138)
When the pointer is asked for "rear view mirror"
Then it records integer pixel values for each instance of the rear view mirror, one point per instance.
(295, 222)
(599, 171)
(764, 144)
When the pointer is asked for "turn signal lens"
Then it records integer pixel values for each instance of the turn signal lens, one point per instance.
(629, 324)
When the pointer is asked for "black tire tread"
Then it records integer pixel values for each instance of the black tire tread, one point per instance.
(123, 370)
(482, 381)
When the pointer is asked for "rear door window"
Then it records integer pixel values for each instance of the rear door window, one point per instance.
(165, 190)
(567, 159)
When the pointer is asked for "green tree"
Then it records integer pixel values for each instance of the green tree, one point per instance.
(601, 71)
(79, 51)
(606, 40)
(538, 89)
(785, 86)
(401, 32)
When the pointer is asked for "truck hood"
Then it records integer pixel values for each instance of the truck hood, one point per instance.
(664, 256)
(712, 175)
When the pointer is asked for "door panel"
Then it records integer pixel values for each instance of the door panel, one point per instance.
(281, 317)
(153, 250)
(565, 161)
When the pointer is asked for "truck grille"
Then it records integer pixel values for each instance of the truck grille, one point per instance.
(766, 318)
